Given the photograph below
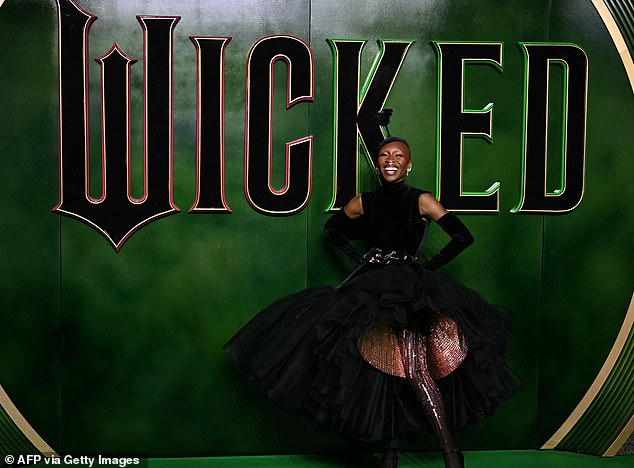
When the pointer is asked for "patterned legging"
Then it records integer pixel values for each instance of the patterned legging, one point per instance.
(414, 348)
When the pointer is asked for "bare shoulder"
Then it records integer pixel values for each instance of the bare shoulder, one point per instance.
(429, 207)
(354, 208)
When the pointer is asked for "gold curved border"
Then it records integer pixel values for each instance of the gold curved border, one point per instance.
(22, 423)
(592, 392)
(628, 63)
(620, 440)
(617, 38)
(628, 322)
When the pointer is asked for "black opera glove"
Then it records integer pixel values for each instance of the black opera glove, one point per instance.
(337, 229)
(461, 238)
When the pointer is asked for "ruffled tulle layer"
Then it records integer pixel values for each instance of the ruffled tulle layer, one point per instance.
(302, 352)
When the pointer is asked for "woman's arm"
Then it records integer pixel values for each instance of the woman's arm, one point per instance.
(354, 208)
(340, 226)
(461, 238)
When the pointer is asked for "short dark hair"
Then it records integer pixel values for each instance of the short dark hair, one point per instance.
(392, 139)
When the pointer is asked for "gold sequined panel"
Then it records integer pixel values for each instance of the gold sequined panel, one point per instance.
(379, 347)
(446, 347)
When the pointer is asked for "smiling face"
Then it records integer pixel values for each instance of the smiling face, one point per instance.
(394, 161)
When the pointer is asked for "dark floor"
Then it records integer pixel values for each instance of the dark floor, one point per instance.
(474, 459)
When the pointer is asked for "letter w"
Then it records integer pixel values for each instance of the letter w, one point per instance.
(116, 214)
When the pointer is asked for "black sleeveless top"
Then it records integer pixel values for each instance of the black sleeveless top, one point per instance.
(392, 220)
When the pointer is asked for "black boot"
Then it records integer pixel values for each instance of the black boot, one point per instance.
(454, 459)
(390, 458)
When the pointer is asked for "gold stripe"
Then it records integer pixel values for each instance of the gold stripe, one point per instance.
(590, 395)
(598, 381)
(617, 38)
(621, 439)
(24, 426)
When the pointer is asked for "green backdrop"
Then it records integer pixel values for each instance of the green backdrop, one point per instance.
(121, 352)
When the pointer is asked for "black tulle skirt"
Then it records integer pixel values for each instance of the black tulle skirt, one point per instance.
(302, 352)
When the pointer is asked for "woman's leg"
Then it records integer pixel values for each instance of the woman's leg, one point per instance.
(414, 350)
(391, 451)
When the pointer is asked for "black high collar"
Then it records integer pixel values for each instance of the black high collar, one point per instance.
(394, 187)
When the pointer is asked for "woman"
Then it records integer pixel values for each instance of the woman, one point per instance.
(363, 358)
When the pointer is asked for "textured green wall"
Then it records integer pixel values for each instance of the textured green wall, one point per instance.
(30, 285)
(588, 278)
(121, 352)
